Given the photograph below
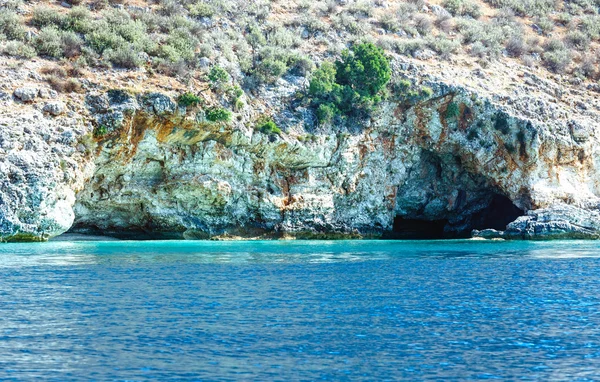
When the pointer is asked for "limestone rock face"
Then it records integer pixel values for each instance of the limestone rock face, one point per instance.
(513, 164)
(42, 164)
(456, 158)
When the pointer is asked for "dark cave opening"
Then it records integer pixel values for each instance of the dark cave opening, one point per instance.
(414, 229)
(497, 215)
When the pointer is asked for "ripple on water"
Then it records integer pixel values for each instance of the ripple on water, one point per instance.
(368, 310)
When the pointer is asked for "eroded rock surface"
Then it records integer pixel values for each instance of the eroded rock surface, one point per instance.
(43, 162)
(161, 170)
(514, 163)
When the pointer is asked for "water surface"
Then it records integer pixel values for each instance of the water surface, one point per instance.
(351, 310)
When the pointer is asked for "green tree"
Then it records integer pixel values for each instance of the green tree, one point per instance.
(323, 80)
(366, 69)
(352, 85)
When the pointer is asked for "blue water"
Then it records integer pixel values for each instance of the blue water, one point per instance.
(460, 310)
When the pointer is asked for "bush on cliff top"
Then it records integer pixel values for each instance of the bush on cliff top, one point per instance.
(265, 44)
(352, 85)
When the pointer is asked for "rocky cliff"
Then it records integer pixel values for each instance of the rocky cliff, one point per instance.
(471, 157)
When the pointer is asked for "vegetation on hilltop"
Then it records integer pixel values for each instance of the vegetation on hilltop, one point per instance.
(234, 44)
(351, 85)
(264, 40)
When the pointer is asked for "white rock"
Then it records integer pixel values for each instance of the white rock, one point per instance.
(54, 108)
(26, 94)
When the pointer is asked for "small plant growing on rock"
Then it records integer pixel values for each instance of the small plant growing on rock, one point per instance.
(453, 110)
(100, 131)
(218, 76)
(218, 114)
(188, 99)
(426, 91)
(266, 125)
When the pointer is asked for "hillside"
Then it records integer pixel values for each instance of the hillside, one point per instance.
(258, 42)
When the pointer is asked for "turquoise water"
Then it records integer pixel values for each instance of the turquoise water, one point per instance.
(448, 310)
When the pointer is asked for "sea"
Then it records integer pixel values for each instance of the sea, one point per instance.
(456, 310)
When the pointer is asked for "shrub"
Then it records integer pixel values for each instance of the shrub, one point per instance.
(389, 22)
(353, 84)
(19, 49)
(326, 112)
(443, 46)
(234, 93)
(266, 125)
(45, 16)
(70, 85)
(452, 110)
(102, 38)
(588, 66)
(78, 20)
(366, 69)
(48, 42)
(515, 47)
(545, 24)
(10, 25)
(269, 65)
(423, 24)
(201, 10)
(218, 76)
(124, 57)
(179, 45)
(556, 56)
(71, 44)
(323, 80)
(175, 69)
(188, 99)
(218, 114)
(462, 8)
(577, 40)
(590, 25)
(301, 65)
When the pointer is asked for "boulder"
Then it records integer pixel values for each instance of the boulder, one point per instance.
(26, 94)
(54, 108)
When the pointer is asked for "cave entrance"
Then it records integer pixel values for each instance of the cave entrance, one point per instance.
(497, 215)
(414, 229)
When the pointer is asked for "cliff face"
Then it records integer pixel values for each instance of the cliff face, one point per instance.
(459, 160)
(44, 161)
